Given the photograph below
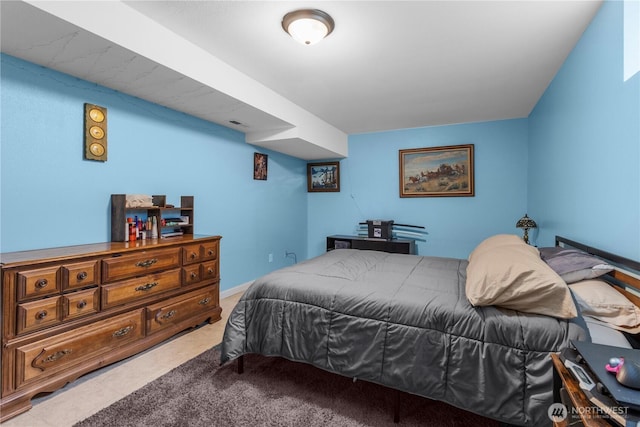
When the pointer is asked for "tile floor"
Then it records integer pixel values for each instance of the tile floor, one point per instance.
(99, 389)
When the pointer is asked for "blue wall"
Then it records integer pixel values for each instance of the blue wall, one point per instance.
(370, 188)
(52, 197)
(584, 145)
(572, 165)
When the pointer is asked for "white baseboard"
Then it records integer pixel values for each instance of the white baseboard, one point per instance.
(236, 289)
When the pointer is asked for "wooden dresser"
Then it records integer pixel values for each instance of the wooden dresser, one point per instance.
(67, 311)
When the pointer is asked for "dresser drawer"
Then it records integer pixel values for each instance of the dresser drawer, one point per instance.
(191, 274)
(38, 282)
(80, 275)
(210, 270)
(210, 250)
(81, 303)
(39, 314)
(51, 355)
(192, 254)
(139, 264)
(195, 273)
(141, 287)
(174, 310)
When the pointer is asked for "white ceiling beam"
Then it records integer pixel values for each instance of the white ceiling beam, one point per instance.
(134, 31)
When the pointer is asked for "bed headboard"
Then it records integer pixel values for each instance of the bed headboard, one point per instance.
(626, 276)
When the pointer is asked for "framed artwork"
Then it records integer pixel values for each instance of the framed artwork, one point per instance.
(437, 171)
(323, 177)
(260, 166)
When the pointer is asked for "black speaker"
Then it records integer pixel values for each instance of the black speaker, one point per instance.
(95, 133)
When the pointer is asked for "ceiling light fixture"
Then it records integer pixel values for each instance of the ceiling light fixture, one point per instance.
(308, 26)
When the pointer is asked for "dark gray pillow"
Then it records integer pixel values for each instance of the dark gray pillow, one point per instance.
(574, 265)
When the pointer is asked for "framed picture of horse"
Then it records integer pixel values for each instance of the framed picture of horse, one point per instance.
(437, 171)
(323, 177)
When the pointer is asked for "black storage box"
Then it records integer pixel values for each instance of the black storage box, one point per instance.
(380, 229)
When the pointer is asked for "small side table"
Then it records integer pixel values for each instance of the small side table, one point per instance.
(562, 379)
(397, 246)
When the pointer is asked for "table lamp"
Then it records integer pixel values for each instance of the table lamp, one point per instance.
(526, 223)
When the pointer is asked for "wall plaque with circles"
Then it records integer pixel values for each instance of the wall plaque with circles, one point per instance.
(95, 133)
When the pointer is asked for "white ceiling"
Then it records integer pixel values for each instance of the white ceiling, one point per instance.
(387, 65)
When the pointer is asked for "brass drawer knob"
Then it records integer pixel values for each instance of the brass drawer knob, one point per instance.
(204, 301)
(193, 255)
(211, 252)
(81, 304)
(194, 275)
(82, 276)
(210, 271)
(146, 263)
(56, 356)
(122, 332)
(41, 314)
(169, 315)
(42, 283)
(147, 286)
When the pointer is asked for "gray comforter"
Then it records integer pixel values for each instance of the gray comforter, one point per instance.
(403, 321)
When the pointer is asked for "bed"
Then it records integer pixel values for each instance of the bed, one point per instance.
(446, 329)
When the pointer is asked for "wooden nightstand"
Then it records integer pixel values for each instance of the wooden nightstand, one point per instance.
(589, 416)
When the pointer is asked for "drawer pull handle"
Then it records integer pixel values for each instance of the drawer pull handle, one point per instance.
(41, 314)
(210, 270)
(169, 315)
(146, 263)
(42, 283)
(82, 276)
(204, 301)
(194, 275)
(56, 356)
(81, 304)
(193, 255)
(147, 286)
(122, 332)
(211, 252)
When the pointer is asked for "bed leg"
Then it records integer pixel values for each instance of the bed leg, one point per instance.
(396, 407)
(241, 364)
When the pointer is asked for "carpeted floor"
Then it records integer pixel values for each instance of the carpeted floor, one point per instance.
(271, 392)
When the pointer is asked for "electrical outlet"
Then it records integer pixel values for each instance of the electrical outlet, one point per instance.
(288, 254)
(270, 257)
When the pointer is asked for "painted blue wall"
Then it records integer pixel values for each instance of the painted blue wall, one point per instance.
(584, 145)
(572, 165)
(51, 197)
(370, 188)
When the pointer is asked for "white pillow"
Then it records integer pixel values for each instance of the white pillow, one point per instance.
(509, 273)
(600, 300)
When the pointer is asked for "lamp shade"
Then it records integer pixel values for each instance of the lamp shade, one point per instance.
(308, 26)
(526, 223)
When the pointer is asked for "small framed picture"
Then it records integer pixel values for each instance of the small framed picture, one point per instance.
(323, 177)
(437, 171)
(260, 166)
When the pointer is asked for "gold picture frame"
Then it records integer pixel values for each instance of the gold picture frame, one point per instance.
(446, 171)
